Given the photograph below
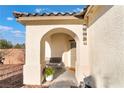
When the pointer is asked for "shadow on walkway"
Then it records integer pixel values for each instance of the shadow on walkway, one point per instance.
(64, 80)
(58, 72)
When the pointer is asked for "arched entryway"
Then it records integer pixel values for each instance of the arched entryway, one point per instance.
(39, 27)
(60, 43)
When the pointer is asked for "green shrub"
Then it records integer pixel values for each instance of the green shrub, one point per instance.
(49, 71)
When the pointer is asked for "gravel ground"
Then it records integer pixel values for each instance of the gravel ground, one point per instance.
(15, 81)
(11, 76)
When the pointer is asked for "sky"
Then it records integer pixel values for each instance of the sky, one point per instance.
(13, 31)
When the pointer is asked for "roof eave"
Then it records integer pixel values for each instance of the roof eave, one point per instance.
(46, 20)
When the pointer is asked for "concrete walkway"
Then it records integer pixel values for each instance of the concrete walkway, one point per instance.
(64, 80)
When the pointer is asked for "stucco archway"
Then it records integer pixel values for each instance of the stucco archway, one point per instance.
(38, 26)
(62, 35)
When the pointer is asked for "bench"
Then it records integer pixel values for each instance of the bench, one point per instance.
(55, 62)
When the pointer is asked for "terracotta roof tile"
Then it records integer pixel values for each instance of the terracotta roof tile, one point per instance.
(21, 14)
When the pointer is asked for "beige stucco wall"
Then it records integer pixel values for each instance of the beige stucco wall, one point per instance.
(60, 46)
(106, 46)
(34, 35)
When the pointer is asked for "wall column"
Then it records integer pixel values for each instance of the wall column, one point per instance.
(32, 67)
(82, 64)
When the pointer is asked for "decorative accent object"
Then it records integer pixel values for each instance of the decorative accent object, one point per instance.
(84, 34)
(49, 71)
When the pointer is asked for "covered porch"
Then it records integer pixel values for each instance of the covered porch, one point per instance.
(53, 36)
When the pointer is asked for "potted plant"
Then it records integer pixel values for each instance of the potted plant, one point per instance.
(49, 71)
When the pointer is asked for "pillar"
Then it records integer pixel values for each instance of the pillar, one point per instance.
(32, 67)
